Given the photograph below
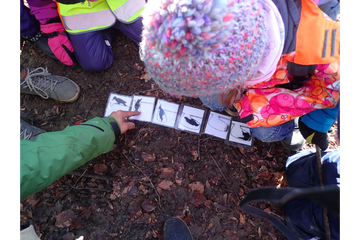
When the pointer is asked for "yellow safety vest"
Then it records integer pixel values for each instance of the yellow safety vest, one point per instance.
(93, 16)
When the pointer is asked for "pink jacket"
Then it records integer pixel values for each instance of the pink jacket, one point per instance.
(44, 10)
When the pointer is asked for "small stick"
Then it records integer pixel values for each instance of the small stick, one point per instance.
(152, 185)
(73, 186)
(199, 147)
(220, 169)
(89, 110)
(90, 175)
(77, 188)
(149, 90)
(100, 85)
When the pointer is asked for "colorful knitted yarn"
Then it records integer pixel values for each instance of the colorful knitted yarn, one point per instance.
(202, 47)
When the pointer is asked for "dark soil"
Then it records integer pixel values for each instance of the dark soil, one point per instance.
(153, 173)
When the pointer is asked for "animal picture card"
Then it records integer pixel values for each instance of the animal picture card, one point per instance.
(218, 125)
(240, 134)
(145, 105)
(117, 102)
(165, 113)
(190, 119)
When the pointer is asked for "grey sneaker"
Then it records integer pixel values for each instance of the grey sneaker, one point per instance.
(40, 82)
(29, 132)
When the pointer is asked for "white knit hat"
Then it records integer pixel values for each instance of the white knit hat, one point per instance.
(202, 47)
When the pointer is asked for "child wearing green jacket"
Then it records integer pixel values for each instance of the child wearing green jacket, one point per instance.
(53, 154)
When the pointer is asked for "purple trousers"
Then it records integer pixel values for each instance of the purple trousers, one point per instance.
(28, 23)
(93, 49)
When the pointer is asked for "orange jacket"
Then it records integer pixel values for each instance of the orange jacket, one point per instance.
(317, 44)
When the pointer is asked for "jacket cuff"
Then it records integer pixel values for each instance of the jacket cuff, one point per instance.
(115, 125)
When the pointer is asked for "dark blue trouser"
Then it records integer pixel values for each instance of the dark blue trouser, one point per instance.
(93, 49)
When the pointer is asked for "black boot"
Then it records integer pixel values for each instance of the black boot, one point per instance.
(40, 40)
(176, 229)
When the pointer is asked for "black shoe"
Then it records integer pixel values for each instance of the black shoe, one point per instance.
(176, 229)
(295, 140)
(40, 40)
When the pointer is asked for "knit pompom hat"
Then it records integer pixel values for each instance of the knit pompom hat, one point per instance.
(202, 47)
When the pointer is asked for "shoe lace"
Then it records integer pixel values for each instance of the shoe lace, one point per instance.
(42, 84)
(24, 131)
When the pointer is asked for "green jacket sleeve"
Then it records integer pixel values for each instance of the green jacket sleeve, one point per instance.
(53, 154)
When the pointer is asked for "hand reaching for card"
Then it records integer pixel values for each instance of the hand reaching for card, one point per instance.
(121, 116)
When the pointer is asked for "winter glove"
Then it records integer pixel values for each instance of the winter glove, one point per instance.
(314, 137)
(59, 43)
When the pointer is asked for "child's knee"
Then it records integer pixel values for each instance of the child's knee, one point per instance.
(96, 64)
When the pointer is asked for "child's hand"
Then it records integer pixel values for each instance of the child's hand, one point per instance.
(121, 116)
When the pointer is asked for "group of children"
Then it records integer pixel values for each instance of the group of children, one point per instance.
(275, 64)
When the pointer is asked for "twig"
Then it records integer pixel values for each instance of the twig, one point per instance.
(149, 90)
(90, 175)
(325, 212)
(73, 186)
(220, 169)
(100, 85)
(89, 110)
(97, 189)
(199, 147)
(207, 138)
(152, 185)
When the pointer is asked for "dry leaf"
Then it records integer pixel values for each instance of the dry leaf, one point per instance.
(259, 231)
(135, 213)
(148, 157)
(113, 197)
(166, 172)
(145, 77)
(208, 227)
(220, 207)
(273, 237)
(65, 218)
(138, 67)
(198, 199)
(179, 178)
(264, 173)
(242, 220)
(208, 203)
(229, 234)
(197, 186)
(195, 154)
(116, 190)
(100, 168)
(147, 206)
(32, 201)
(166, 185)
(207, 184)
